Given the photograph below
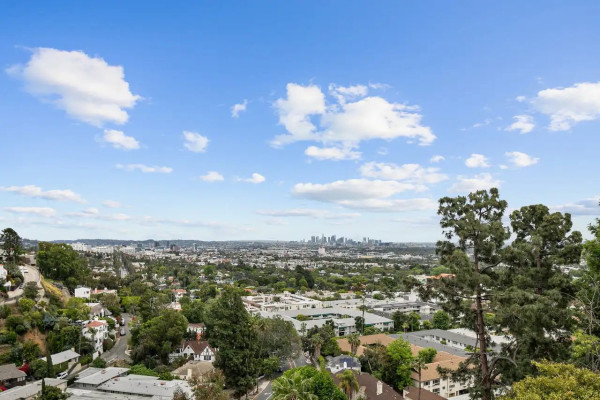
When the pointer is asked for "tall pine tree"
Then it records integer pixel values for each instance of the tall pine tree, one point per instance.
(533, 297)
(475, 234)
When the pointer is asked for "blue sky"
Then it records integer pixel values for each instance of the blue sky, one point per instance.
(119, 120)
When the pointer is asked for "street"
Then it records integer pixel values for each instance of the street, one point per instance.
(267, 392)
(118, 350)
(32, 275)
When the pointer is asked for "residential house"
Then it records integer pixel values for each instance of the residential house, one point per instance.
(63, 360)
(340, 363)
(199, 350)
(175, 305)
(3, 273)
(372, 388)
(179, 293)
(194, 370)
(96, 331)
(82, 292)
(97, 310)
(31, 391)
(10, 376)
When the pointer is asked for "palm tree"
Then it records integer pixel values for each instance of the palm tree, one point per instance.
(348, 382)
(317, 342)
(292, 388)
(418, 364)
(354, 342)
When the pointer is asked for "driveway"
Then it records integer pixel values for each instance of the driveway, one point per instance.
(118, 350)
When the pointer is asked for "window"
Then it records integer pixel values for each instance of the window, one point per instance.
(435, 382)
(207, 358)
(436, 391)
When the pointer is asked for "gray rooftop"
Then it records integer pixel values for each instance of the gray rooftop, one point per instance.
(10, 371)
(84, 394)
(100, 376)
(61, 357)
(143, 386)
(421, 342)
(27, 391)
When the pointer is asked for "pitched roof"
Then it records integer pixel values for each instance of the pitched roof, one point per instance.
(197, 346)
(368, 383)
(10, 371)
(96, 324)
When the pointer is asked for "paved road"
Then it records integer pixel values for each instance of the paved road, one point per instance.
(118, 350)
(267, 392)
(32, 275)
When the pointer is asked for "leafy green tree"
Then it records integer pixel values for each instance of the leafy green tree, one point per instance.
(531, 284)
(475, 222)
(194, 311)
(440, 269)
(157, 338)
(320, 382)
(98, 363)
(51, 393)
(230, 330)
(39, 369)
(26, 305)
(441, 320)
(76, 309)
(12, 244)
(112, 302)
(31, 351)
(31, 290)
(211, 388)
(427, 354)
(59, 261)
(400, 321)
(348, 383)
(398, 369)
(557, 381)
(277, 338)
(586, 351)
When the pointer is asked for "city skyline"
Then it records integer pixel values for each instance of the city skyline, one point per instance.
(211, 122)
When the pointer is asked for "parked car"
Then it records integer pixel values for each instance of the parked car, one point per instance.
(62, 375)
(123, 332)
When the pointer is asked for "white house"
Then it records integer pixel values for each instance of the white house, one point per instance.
(82, 292)
(179, 293)
(200, 350)
(97, 332)
(3, 273)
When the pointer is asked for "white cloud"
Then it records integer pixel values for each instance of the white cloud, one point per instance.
(486, 122)
(255, 178)
(117, 217)
(307, 212)
(212, 176)
(295, 111)
(111, 204)
(437, 159)
(87, 88)
(346, 123)
(477, 161)
(519, 159)
(365, 194)
(588, 206)
(523, 123)
(521, 99)
(568, 106)
(144, 168)
(119, 140)
(465, 184)
(195, 142)
(352, 189)
(88, 212)
(41, 211)
(405, 172)
(37, 192)
(236, 109)
(332, 153)
(345, 93)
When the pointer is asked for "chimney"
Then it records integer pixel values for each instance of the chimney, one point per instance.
(379, 388)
